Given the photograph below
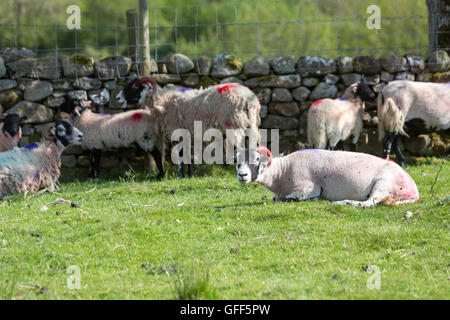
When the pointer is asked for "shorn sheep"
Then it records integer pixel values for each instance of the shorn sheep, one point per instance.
(10, 131)
(344, 177)
(121, 130)
(37, 165)
(225, 106)
(401, 101)
(331, 121)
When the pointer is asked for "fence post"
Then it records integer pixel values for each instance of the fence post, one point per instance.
(144, 41)
(132, 33)
(438, 24)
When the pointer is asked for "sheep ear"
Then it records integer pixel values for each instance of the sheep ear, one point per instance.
(78, 110)
(3, 116)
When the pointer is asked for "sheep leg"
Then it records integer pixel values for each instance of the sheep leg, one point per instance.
(387, 144)
(94, 170)
(380, 190)
(156, 154)
(180, 170)
(340, 145)
(190, 170)
(308, 191)
(400, 157)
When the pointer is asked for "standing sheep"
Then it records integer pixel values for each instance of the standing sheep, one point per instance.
(225, 106)
(401, 101)
(36, 166)
(353, 178)
(331, 121)
(10, 131)
(122, 130)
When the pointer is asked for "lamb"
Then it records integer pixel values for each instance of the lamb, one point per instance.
(401, 101)
(343, 177)
(102, 131)
(10, 131)
(225, 106)
(36, 166)
(331, 121)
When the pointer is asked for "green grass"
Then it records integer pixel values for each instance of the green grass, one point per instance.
(211, 238)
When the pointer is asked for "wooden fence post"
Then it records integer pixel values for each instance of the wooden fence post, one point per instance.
(132, 25)
(144, 39)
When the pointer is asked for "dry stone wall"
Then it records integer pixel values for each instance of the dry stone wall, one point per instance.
(35, 86)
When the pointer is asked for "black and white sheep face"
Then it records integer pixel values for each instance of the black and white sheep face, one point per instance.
(11, 123)
(135, 92)
(65, 134)
(74, 107)
(364, 92)
(248, 163)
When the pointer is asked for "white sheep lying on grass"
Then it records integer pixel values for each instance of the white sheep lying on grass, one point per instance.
(331, 121)
(225, 106)
(353, 178)
(401, 101)
(10, 131)
(36, 166)
(121, 130)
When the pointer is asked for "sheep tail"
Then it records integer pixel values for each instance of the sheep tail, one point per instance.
(390, 117)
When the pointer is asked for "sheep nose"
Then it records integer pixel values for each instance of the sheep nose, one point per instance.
(242, 174)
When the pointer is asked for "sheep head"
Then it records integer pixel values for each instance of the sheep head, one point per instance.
(11, 123)
(251, 163)
(136, 92)
(74, 107)
(63, 133)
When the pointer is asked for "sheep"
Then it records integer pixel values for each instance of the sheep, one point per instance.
(102, 131)
(343, 177)
(331, 121)
(10, 131)
(225, 106)
(401, 101)
(36, 166)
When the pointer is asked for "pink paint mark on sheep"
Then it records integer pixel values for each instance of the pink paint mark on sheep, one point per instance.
(136, 117)
(228, 123)
(225, 87)
(405, 187)
(317, 102)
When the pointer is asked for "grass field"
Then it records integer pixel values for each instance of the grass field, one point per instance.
(211, 238)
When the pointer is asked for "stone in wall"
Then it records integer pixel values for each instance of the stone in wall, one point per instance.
(2, 68)
(39, 68)
(323, 90)
(35, 112)
(37, 90)
(85, 83)
(315, 66)
(301, 93)
(344, 64)
(287, 109)
(416, 62)
(6, 84)
(113, 67)
(281, 95)
(392, 63)
(203, 65)
(77, 66)
(367, 65)
(272, 81)
(438, 61)
(279, 122)
(226, 65)
(283, 65)
(258, 66)
(178, 63)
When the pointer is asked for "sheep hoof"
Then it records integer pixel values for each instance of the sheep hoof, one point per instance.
(159, 176)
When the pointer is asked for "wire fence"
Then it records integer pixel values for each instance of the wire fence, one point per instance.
(245, 29)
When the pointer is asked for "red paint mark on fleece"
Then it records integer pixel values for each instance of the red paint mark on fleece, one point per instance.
(225, 87)
(136, 117)
(405, 187)
(317, 102)
(228, 123)
(263, 151)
